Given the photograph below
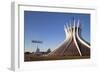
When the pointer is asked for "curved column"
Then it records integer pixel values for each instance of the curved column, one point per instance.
(77, 34)
(69, 39)
(74, 38)
(66, 42)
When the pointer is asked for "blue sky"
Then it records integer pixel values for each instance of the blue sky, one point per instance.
(49, 28)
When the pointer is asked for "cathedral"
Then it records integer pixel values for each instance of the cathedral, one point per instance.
(73, 44)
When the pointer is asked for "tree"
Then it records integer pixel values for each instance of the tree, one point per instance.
(49, 50)
(27, 53)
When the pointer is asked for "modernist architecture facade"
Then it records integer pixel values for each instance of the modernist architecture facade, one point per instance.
(74, 44)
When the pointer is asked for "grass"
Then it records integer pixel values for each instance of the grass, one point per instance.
(46, 58)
